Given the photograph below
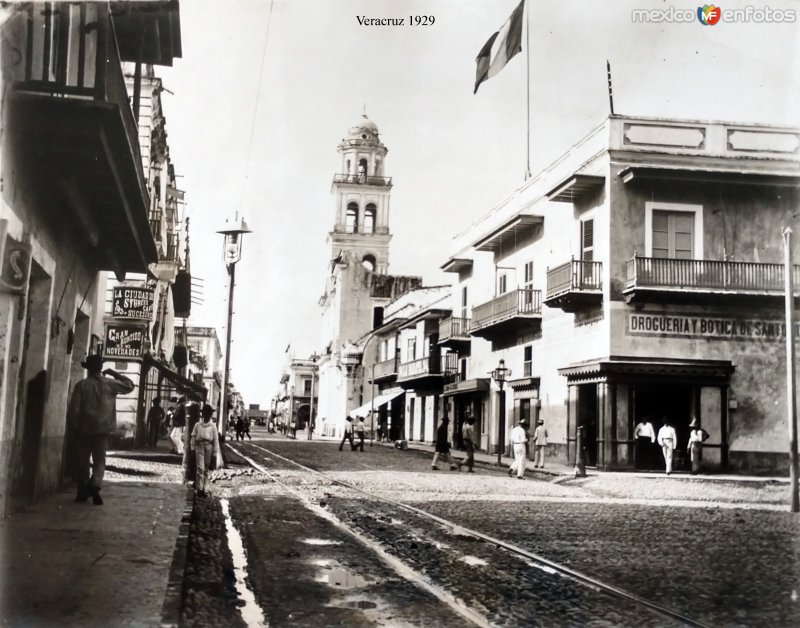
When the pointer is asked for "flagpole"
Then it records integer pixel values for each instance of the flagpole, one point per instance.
(528, 88)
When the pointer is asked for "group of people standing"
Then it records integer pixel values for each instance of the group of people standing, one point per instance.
(351, 430)
(645, 438)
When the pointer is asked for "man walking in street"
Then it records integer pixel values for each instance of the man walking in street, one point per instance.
(443, 446)
(468, 436)
(92, 414)
(155, 417)
(539, 442)
(360, 430)
(519, 439)
(348, 434)
(668, 440)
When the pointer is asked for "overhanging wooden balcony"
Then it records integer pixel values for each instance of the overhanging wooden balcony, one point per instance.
(71, 125)
(385, 371)
(454, 333)
(575, 286)
(695, 281)
(509, 313)
(426, 373)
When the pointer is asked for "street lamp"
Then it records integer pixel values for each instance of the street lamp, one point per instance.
(311, 422)
(232, 253)
(501, 374)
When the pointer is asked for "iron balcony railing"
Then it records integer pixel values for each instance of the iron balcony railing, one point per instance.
(430, 365)
(699, 275)
(574, 276)
(385, 368)
(454, 327)
(520, 302)
(171, 252)
(362, 179)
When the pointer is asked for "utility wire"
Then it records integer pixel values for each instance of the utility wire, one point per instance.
(258, 98)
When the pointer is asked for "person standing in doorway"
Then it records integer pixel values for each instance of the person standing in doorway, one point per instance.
(695, 447)
(443, 446)
(92, 413)
(348, 434)
(154, 419)
(205, 443)
(667, 439)
(519, 439)
(540, 443)
(645, 437)
(468, 436)
(360, 430)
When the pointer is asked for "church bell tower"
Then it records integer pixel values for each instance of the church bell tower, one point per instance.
(361, 192)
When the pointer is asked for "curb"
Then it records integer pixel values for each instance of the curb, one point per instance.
(173, 597)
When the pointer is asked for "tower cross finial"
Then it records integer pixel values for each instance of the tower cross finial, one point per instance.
(364, 112)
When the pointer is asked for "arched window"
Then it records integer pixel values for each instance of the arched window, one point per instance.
(369, 218)
(362, 169)
(369, 262)
(351, 221)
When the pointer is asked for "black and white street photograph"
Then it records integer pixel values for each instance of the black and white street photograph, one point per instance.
(397, 313)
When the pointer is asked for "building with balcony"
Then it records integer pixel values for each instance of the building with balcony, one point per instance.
(66, 121)
(299, 395)
(640, 274)
(358, 285)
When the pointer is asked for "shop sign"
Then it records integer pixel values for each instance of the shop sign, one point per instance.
(133, 302)
(124, 342)
(700, 326)
(15, 262)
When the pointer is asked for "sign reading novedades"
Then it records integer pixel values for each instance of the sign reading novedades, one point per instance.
(691, 326)
(133, 303)
(124, 341)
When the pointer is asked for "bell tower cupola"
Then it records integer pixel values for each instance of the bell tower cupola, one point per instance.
(361, 191)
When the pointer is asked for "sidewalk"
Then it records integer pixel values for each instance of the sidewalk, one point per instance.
(121, 564)
(557, 469)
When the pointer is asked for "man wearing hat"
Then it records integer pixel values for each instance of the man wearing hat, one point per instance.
(92, 414)
(539, 442)
(519, 439)
(696, 437)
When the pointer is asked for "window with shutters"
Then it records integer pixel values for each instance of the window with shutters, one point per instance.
(527, 361)
(412, 350)
(464, 294)
(587, 240)
(502, 284)
(527, 295)
(673, 230)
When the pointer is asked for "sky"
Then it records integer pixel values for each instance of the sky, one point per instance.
(266, 89)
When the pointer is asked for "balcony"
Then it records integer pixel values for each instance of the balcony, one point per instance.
(454, 333)
(71, 125)
(385, 371)
(575, 286)
(696, 281)
(426, 373)
(509, 313)
(363, 179)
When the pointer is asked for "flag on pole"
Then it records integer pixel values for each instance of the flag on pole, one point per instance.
(610, 90)
(501, 46)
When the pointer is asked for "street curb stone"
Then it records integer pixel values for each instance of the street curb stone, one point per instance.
(173, 597)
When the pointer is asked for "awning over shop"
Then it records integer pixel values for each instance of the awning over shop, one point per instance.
(467, 386)
(377, 402)
(622, 368)
(180, 383)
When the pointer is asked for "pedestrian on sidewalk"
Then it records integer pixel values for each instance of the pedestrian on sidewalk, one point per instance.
(695, 447)
(539, 443)
(519, 440)
(178, 425)
(443, 446)
(155, 417)
(360, 430)
(468, 436)
(239, 426)
(667, 439)
(348, 434)
(92, 414)
(205, 443)
(246, 428)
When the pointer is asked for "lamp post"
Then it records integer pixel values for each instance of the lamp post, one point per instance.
(232, 253)
(791, 392)
(501, 374)
(311, 422)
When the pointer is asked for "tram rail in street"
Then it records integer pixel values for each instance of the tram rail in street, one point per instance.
(535, 561)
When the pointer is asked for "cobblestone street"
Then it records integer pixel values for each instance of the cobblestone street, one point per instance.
(722, 553)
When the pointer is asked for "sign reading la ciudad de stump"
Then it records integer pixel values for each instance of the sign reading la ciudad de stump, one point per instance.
(126, 336)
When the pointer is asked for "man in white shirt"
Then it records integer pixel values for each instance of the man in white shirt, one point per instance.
(540, 443)
(645, 437)
(668, 440)
(519, 438)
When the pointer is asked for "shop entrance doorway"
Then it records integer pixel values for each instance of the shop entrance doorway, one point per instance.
(587, 417)
(657, 401)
